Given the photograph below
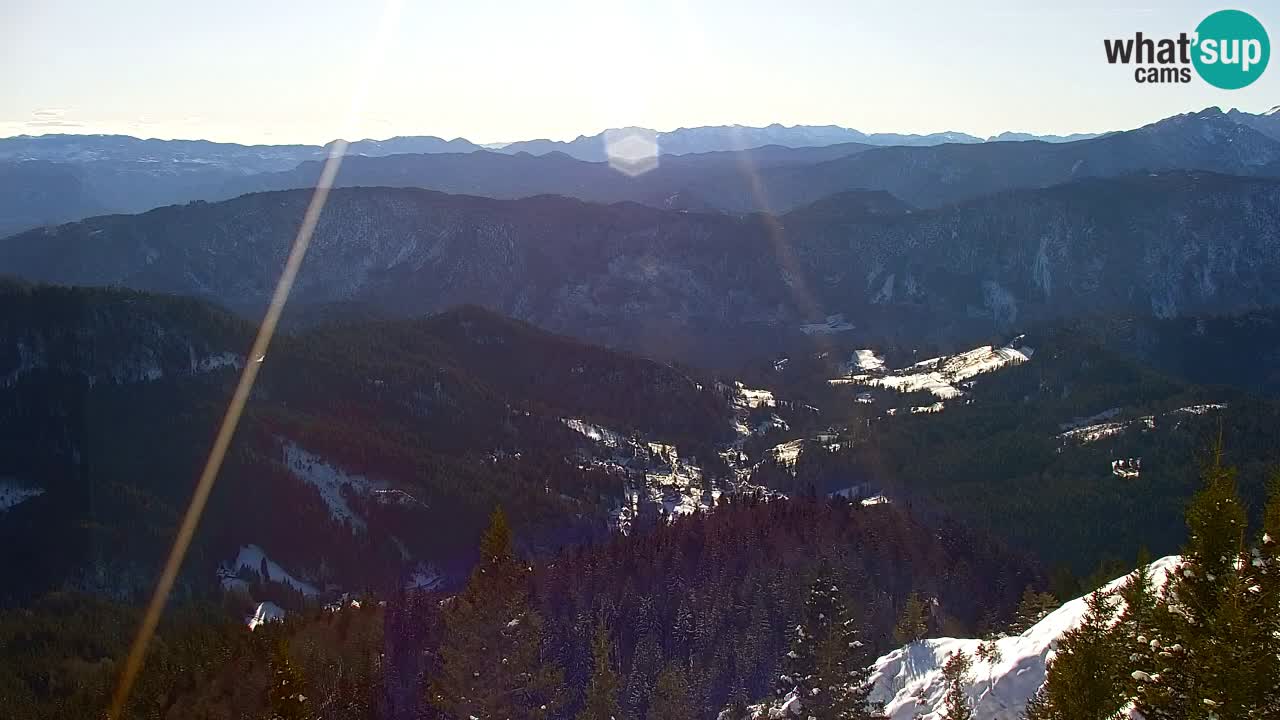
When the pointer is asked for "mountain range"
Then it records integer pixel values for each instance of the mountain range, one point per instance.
(68, 177)
(700, 286)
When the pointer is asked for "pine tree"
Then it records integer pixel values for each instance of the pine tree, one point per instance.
(1083, 682)
(602, 691)
(957, 674)
(1038, 708)
(913, 623)
(1032, 608)
(286, 695)
(990, 653)
(828, 666)
(672, 699)
(491, 663)
(1208, 635)
(1265, 576)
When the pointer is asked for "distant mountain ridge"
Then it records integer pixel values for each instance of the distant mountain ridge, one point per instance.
(778, 179)
(60, 178)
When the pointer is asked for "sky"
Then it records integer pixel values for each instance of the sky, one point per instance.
(283, 71)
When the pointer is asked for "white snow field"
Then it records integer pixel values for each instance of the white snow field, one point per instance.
(939, 376)
(251, 557)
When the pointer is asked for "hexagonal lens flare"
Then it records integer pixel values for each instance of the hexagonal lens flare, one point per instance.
(633, 151)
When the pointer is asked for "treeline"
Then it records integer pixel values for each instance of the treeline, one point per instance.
(699, 614)
(676, 622)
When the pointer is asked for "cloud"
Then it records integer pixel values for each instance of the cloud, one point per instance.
(48, 113)
(52, 124)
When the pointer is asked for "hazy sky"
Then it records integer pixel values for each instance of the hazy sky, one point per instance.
(287, 71)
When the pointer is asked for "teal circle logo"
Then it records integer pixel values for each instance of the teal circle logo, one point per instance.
(1232, 49)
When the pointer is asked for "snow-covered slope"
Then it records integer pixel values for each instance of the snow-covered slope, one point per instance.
(909, 680)
(253, 558)
(940, 376)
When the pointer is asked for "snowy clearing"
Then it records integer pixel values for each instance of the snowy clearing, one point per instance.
(749, 398)
(866, 360)
(252, 557)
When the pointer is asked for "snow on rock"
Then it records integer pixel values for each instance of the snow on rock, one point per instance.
(787, 453)
(1088, 430)
(1092, 433)
(876, 500)
(908, 681)
(866, 360)
(252, 557)
(1202, 409)
(604, 436)
(12, 493)
(746, 397)
(328, 480)
(265, 612)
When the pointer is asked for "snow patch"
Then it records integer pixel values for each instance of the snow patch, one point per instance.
(12, 494)
(265, 612)
(1093, 433)
(329, 480)
(252, 558)
(1202, 409)
(749, 398)
(787, 453)
(604, 436)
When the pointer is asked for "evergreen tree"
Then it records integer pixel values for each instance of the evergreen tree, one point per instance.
(957, 673)
(1211, 650)
(1266, 578)
(286, 695)
(672, 699)
(828, 666)
(491, 662)
(1032, 608)
(913, 623)
(1083, 679)
(990, 653)
(1037, 707)
(602, 691)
